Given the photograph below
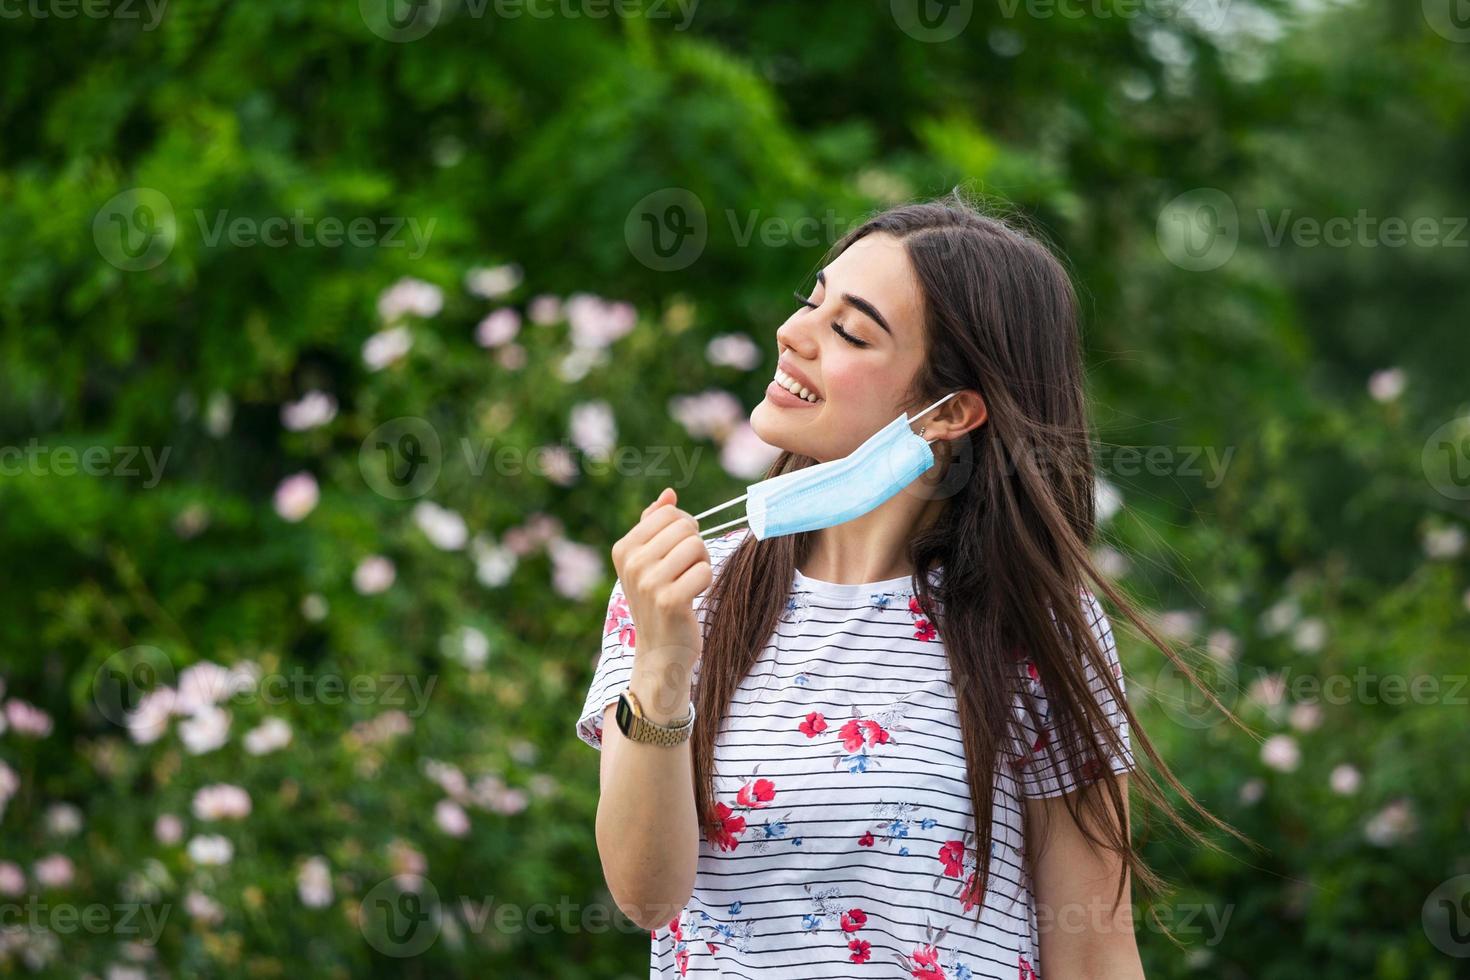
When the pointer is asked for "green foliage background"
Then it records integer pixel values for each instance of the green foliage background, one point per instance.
(528, 140)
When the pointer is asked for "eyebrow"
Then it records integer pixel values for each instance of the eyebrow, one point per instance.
(859, 303)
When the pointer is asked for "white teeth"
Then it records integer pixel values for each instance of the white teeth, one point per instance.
(795, 387)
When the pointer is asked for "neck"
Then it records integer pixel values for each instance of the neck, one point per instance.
(874, 547)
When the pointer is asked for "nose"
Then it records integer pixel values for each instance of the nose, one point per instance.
(795, 338)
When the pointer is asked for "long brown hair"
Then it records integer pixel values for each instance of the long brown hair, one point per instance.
(1013, 539)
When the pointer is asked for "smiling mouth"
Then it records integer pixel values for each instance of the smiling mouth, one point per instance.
(795, 387)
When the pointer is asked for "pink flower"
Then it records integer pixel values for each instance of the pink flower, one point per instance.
(296, 496)
(27, 719)
(374, 574)
(1280, 752)
(451, 818)
(1345, 780)
(168, 829)
(54, 871)
(576, 568)
(498, 327)
(221, 801)
(315, 408)
(410, 296)
(12, 878)
(493, 282)
(385, 347)
(745, 455)
(314, 883)
(544, 310)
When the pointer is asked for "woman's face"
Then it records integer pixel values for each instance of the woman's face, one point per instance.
(857, 381)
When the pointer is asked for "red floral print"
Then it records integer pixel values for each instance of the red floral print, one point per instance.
(1026, 972)
(853, 920)
(729, 825)
(923, 628)
(620, 619)
(814, 725)
(862, 730)
(866, 840)
(926, 964)
(861, 950)
(755, 794)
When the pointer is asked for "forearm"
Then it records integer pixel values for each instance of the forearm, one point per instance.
(647, 832)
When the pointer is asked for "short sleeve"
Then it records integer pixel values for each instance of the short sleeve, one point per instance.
(614, 668)
(1036, 773)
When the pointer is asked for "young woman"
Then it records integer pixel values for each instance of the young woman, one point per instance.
(910, 748)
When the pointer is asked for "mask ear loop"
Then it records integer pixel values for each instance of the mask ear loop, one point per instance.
(742, 518)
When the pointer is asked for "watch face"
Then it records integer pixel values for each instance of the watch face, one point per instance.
(624, 714)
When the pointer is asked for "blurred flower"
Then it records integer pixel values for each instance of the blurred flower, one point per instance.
(205, 730)
(1306, 717)
(296, 496)
(1387, 385)
(1107, 499)
(219, 414)
(385, 347)
(117, 971)
(404, 859)
(451, 818)
(512, 357)
(314, 883)
(385, 726)
(168, 829)
(63, 819)
(734, 350)
(594, 430)
(523, 750)
(190, 521)
(1309, 635)
(1280, 752)
(746, 455)
(211, 849)
(12, 878)
(205, 684)
(558, 465)
(1444, 542)
(576, 568)
(542, 784)
(314, 607)
(1221, 645)
(1111, 562)
(9, 783)
(544, 310)
(149, 720)
(491, 794)
(202, 908)
(410, 296)
(493, 563)
(1280, 616)
(221, 801)
(444, 528)
(1179, 624)
(270, 735)
(498, 327)
(543, 528)
(493, 282)
(1252, 790)
(315, 408)
(54, 871)
(710, 414)
(1345, 779)
(467, 646)
(597, 322)
(374, 574)
(447, 776)
(1391, 824)
(26, 719)
(578, 362)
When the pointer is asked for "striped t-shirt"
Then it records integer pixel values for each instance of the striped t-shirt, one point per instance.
(847, 844)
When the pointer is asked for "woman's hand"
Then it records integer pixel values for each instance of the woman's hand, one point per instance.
(663, 566)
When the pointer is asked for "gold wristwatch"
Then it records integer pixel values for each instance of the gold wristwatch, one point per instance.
(636, 726)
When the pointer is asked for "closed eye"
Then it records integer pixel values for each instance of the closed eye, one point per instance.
(836, 327)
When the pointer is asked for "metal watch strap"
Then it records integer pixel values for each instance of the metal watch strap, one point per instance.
(638, 728)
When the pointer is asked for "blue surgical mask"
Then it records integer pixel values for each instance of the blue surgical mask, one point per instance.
(839, 490)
